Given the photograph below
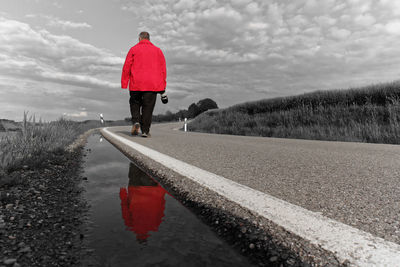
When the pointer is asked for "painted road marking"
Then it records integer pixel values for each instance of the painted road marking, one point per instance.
(347, 243)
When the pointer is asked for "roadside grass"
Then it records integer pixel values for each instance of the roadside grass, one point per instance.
(369, 114)
(36, 143)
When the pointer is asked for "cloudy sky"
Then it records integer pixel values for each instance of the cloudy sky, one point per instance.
(65, 56)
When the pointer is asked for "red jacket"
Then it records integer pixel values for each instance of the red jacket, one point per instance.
(142, 209)
(144, 68)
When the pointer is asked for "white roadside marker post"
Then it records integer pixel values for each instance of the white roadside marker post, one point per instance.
(101, 118)
(185, 125)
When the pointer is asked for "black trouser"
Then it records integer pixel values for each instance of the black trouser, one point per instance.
(142, 106)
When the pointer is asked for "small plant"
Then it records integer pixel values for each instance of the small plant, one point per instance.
(35, 143)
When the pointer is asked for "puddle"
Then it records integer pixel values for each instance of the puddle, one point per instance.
(135, 222)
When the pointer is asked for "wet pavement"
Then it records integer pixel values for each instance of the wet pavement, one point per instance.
(135, 222)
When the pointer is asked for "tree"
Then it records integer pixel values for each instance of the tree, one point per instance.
(169, 116)
(206, 104)
(193, 110)
(183, 113)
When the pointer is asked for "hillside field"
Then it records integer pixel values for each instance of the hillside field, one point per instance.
(368, 114)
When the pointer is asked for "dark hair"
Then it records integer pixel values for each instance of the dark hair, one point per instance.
(144, 35)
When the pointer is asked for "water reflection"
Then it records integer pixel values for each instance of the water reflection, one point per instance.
(181, 238)
(142, 204)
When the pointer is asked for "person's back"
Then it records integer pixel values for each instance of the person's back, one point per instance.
(145, 71)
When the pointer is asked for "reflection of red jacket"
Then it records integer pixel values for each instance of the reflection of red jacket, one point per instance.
(142, 209)
(144, 68)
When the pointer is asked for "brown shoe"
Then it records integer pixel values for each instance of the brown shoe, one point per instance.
(135, 129)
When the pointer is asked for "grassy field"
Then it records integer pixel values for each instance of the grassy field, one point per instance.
(368, 114)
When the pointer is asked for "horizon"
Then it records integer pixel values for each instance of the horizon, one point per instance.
(60, 59)
(366, 87)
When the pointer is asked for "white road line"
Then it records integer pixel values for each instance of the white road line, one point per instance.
(347, 243)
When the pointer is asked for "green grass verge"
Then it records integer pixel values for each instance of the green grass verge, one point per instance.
(368, 114)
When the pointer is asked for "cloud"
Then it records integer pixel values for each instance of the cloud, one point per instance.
(325, 21)
(42, 56)
(393, 6)
(231, 51)
(340, 33)
(80, 114)
(242, 47)
(49, 101)
(253, 8)
(365, 20)
(211, 31)
(59, 73)
(63, 24)
(57, 5)
(184, 4)
(393, 27)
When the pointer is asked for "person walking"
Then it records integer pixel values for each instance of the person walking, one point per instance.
(145, 71)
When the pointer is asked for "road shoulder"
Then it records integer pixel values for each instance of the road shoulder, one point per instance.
(258, 237)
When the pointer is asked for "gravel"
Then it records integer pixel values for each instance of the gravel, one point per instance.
(42, 214)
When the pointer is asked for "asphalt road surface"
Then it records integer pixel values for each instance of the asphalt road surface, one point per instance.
(354, 183)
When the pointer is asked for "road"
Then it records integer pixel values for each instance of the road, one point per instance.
(353, 183)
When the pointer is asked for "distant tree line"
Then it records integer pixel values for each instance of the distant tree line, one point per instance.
(190, 113)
